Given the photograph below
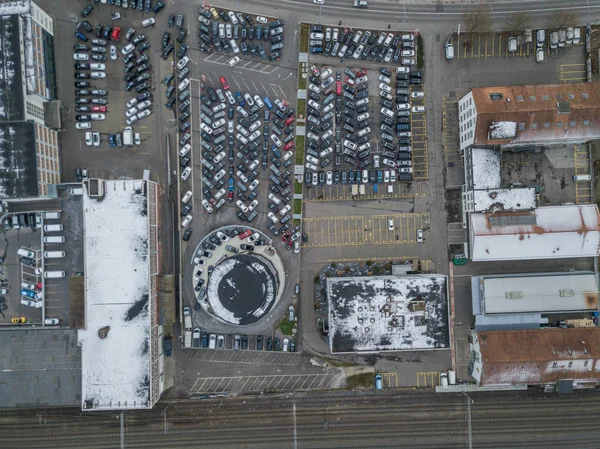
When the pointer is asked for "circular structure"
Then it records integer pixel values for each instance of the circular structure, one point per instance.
(242, 289)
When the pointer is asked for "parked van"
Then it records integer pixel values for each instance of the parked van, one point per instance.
(24, 252)
(582, 178)
(78, 191)
(541, 38)
(52, 215)
(53, 228)
(54, 274)
(54, 239)
(54, 254)
(449, 51)
(15, 222)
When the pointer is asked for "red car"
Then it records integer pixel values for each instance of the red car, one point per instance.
(286, 236)
(230, 196)
(289, 120)
(246, 233)
(288, 146)
(315, 70)
(98, 108)
(338, 87)
(224, 83)
(116, 34)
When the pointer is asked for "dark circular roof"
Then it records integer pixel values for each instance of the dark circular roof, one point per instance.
(242, 289)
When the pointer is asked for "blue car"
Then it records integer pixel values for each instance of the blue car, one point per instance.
(81, 36)
(240, 99)
(268, 102)
(378, 382)
(231, 184)
(111, 140)
(28, 293)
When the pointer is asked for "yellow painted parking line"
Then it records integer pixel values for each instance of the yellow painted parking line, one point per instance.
(390, 380)
(428, 379)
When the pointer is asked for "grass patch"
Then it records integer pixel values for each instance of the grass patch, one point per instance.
(301, 106)
(297, 187)
(301, 80)
(299, 150)
(365, 380)
(340, 363)
(304, 27)
(297, 222)
(420, 56)
(286, 326)
(297, 206)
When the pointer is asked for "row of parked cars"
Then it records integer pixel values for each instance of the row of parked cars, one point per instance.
(138, 76)
(140, 5)
(365, 45)
(241, 342)
(238, 33)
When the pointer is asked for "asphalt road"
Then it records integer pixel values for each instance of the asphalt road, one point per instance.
(346, 420)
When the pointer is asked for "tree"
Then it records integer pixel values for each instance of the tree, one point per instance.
(479, 20)
(562, 18)
(518, 22)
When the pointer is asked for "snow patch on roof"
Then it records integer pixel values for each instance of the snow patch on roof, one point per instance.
(116, 369)
(503, 130)
(504, 199)
(486, 168)
(387, 313)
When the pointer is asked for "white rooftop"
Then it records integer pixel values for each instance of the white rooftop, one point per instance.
(387, 313)
(545, 293)
(504, 199)
(486, 168)
(116, 369)
(544, 233)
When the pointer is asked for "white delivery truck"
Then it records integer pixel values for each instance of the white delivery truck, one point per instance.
(128, 136)
(187, 339)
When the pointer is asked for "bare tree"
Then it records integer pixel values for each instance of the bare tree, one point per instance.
(562, 18)
(518, 22)
(479, 20)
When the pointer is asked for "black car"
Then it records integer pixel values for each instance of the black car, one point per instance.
(182, 50)
(99, 30)
(269, 344)
(158, 6)
(80, 47)
(181, 35)
(168, 345)
(244, 342)
(87, 11)
(259, 343)
(87, 26)
(81, 66)
(82, 84)
(167, 51)
(82, 75)
(171, 21)
(166, 39)
(27, 261)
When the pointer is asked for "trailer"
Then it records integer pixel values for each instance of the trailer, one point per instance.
(187, 339)
(361, 189)
(354, 190)
(128, 136)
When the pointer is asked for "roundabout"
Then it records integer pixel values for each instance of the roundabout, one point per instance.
(240, 280)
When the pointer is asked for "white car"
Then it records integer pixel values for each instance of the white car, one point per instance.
(143, 105)
(81, 56)
(390, 224)
(417, 95)
(253, 237)
(88, 138)
(249, 99)
(242, 206)
(207, 207)
(253, 185)
(408, 61)
(392, 175)
(387, 112)
(144, 113)
(314, 104)
(184, 84)
(402, 70)
(385, 88)
(233, 18)
(83, 125)
(233, 61)
(273, 218)
(97, 66)
(183, 62)
(255, 135)
(419, 236)
(98, 116)
(258, 101)
(131, 120)
(131, 111)
(316, 89)
(276, 140)
(219, 157)
(329, 177)
(186, 221)
(96, 138)
(132, 102)
(230, 126)
(242, 176)
(137, 139)
(261, 19)
(384, 79)
(98, 75)
(402, 107)
(207, 129)
(230, 98)
(362, 79)
(186, 196)
(127, 49)
(253, 205)
(389, 162)
(113, 52)
(386, 176)
(148, 22)
(418, 109)
(222, 236)
(362, 117)
(242, 111)
(185, 174)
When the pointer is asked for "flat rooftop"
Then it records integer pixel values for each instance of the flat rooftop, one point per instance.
(116, 369)
(39, 368)
(388, 313)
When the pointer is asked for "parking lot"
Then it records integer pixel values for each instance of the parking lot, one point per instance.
(341, 192)
(357, 230)
(249, 356)
(267, 383)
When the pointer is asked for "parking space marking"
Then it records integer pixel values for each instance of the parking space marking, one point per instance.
(259, 67)
(428, 379)
(450, 125)
(390, 380)
(247, 357)
(358, 230)
(573, 73)
(583, 189)
(343, 192)
(251, 384)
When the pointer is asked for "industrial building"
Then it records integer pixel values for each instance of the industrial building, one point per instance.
(29, 112)
(526, 117)
(388, 313)
(524, 301)
(536, 357)
(555, 232)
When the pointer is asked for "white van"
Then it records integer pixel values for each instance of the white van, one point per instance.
(54, 274)
(54, 254)
(51, 215)
(541, 38)
(54, 239)
(449, 51)
(53, 228)
(76, 191)
(582, 177)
